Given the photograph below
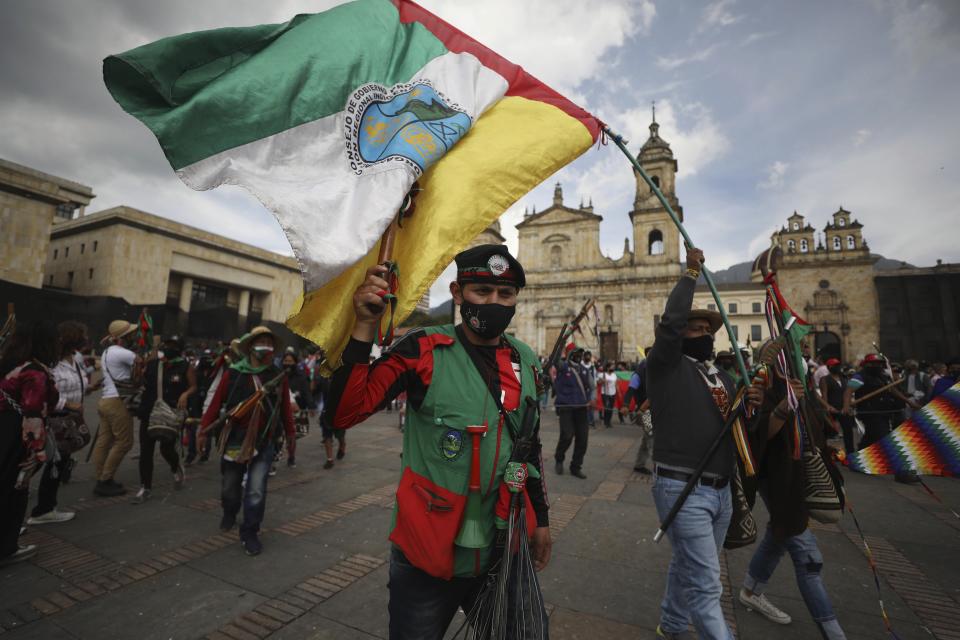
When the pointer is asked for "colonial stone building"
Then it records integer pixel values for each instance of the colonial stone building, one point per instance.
(215, 284)
(31, 202)
(560, 252)
(828, 279)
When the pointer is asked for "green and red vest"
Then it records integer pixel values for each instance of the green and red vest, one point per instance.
(433, 492)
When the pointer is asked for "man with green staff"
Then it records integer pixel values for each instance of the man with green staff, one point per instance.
(467, 396)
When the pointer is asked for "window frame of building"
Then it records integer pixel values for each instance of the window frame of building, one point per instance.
(95, 243)
(837, 244)
(736, 332)
(841, 222)
(50, 283)
(756, 332)
(90, 274)
(56, 252)
(804, 247)
(711, 306)
(732, 307)
(791, 246)
(851, 242)
(70, 280)
(757, 307)
(83, 247)
(796, 226)
(66, 252)
(556, 256)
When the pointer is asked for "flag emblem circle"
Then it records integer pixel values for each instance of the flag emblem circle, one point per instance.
(410, 123)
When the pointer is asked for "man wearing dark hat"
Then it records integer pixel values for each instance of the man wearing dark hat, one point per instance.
(689, 401)
(572, 387)
(470, 388)
(247, 444)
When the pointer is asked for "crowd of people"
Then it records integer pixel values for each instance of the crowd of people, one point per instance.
(472, 397)
(245, 402)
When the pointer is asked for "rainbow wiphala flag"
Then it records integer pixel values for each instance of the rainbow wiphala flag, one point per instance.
(928, 443)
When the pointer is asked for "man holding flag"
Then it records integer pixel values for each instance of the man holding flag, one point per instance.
(466, 386)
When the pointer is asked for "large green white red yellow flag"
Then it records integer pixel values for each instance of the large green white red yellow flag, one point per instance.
(330, 118)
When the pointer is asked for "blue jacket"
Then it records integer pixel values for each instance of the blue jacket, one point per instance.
(571, 385)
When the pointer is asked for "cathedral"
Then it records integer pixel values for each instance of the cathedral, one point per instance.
(560, 252)
(827, 277)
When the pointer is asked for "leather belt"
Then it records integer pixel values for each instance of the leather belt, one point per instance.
(716, 483)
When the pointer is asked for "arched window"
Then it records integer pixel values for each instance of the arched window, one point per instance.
(804, 247)
(655, 243)
(608, 314)
(836, 243)
(556, 256)
(796, 226)
(851, 243)
(791, 246)
(842, 222)
(656, 180)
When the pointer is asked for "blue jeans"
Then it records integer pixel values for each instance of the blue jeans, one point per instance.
(807, 563)
(693, 580)
(253, 496)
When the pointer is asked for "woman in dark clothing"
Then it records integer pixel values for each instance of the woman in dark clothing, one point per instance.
(179, 384)
(782, 486)
(27, 392)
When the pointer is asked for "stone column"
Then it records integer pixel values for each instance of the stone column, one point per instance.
(186, 293)
(243, 310)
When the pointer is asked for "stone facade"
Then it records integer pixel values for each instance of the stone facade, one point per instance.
(149, 260)
(829, 281)
(560, 252)
(30, 204)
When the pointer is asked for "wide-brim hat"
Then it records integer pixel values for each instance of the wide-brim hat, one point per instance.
(713, 317)
(244, 345)
(118, 329)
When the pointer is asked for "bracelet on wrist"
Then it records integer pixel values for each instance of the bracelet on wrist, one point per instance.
(692, 273)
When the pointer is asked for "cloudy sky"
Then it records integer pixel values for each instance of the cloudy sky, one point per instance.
(770, 107)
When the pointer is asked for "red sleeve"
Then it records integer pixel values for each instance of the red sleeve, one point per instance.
(34, 392)
(358, 390)
(213, 411)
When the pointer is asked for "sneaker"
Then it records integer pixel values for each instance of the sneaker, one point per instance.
(23, 552)
(340, 453)
(251, 544)
(328, 464)
(227, 522)
(51, 516)
(760, 604)
(142, 496)
(559, 468)
(108, 489)
(273, 471)
(666, 635)
(577, 473)
(179, 476)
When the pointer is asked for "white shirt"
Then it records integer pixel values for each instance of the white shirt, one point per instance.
(70, 382)
(609, 380)
(819, 374)
(116, 361)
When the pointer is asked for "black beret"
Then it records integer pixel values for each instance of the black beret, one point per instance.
(489, 263)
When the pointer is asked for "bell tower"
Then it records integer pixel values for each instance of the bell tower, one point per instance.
(656, 240)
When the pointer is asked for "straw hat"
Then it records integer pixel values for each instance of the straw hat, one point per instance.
(713, 317)
(119, 329)
(245, 341)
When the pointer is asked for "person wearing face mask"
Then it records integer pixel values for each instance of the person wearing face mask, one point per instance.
(572, 387)
(299, 388)
(590, 369)
(115, 433)
(689, 401)
(179, 384)
(244, 452)
(831, 393)
(470, 388)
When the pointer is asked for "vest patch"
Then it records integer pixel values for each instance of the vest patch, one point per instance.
(451, 445)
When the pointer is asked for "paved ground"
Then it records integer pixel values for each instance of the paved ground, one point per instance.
(163, 570)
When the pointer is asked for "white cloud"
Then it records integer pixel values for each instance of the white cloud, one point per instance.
(669, 63)
(718, 14)
(918, 31)
(775, 175)
(861, 136)
(561, 42)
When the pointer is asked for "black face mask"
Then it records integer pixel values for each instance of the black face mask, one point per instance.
(834, 369)
(698, 348)
(290, 367)
(486, 320)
